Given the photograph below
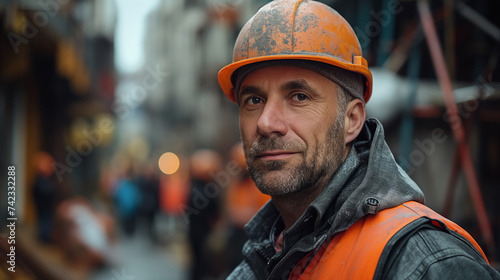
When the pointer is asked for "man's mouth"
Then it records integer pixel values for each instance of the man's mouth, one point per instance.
(275, 155)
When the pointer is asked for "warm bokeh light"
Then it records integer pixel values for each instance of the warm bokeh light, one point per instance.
(169, 163)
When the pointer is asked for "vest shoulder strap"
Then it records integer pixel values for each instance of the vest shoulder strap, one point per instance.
(355, 252)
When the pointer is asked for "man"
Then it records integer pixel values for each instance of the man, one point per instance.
(341, 207)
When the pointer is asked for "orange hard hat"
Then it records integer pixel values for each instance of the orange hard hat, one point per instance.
(297, 29)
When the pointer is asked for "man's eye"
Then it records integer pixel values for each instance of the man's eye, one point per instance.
(300, 97)
(253, 100)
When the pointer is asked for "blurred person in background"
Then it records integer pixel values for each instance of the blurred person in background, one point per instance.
(203, 210)
(173, 196)
(127, 199)
(243, 200)
(149, 185)
(85, 235)
(341, 206)
(45, 195)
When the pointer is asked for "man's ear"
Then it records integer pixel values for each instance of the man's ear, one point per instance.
(355, 116)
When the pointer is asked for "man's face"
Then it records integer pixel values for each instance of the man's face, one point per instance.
(291, 134)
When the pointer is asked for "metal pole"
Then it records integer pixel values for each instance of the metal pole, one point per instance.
(455, 121)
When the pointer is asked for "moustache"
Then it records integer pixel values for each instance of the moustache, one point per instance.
(271, 144)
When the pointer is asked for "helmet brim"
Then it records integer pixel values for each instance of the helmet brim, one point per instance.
(227, 86)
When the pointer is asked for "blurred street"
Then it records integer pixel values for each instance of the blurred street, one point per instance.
(140, 258)
(133, 257)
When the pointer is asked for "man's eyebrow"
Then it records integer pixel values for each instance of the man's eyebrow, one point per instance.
(249, 90)
(298, 84)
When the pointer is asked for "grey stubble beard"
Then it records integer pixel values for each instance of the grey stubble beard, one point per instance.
(306, 174)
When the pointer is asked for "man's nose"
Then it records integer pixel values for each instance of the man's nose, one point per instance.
(272, 119)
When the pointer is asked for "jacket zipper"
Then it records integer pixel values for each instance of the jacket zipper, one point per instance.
(263, 254)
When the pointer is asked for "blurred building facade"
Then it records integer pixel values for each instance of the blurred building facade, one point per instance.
(56, 88)
(57, 84)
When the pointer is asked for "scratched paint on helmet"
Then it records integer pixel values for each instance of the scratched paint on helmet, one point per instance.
(320, 29)
(272, 26)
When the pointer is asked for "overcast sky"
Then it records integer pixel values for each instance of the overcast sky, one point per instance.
(129, 56)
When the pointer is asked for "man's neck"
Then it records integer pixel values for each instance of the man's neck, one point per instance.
(292, 206)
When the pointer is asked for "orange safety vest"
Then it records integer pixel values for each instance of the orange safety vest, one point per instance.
(243, 200)
(355, 252)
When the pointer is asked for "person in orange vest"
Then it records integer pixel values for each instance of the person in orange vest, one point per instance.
(204, 211)
(242, 201)
(341, 207)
